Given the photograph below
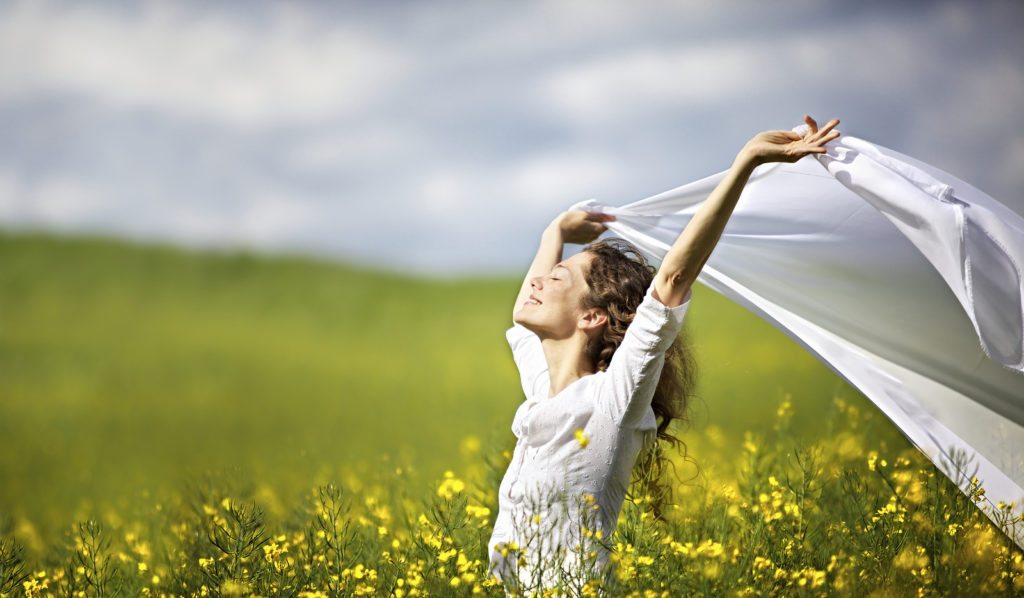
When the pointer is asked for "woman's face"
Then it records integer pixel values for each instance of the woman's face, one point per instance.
(553, 311)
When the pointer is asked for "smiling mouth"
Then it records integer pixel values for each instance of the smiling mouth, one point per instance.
(532, 301)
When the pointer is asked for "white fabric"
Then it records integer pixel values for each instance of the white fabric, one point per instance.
(902, 278)
(613, 408)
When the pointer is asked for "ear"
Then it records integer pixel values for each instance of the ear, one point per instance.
(593, 318)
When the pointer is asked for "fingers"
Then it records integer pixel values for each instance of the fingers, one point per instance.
(599, 217)
(811, 123)
(818, 147)
(828, 127)
(824, 135)
(823, 140)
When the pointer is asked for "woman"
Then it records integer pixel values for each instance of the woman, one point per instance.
(590, 337)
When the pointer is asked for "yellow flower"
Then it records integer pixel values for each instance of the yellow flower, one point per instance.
(450, 486)
(234, 587)
(785, 408)
(582, 439)
(34, 588)
(911, 557)
(470, 445)
(711, 548)
(916, 492)
(748, 443)
(478, 512)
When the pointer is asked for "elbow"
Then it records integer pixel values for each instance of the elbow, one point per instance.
(673, 290)
(679, 279)
(682, 269)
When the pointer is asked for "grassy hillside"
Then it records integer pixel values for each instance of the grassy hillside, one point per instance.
(126, 370)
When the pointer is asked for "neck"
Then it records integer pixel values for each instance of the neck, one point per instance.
(567, 361)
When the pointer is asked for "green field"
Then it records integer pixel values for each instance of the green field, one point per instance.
(127, 372)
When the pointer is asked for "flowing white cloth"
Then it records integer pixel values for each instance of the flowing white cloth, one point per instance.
(903, 279)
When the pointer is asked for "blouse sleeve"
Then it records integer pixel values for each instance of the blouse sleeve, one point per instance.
(529, 357)
(632, 376)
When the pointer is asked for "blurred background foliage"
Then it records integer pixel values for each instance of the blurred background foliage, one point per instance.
(127, 370)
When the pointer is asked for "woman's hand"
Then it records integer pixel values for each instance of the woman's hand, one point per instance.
(787, 146)
(581, 227)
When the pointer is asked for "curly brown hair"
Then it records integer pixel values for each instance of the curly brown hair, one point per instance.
(618, 278)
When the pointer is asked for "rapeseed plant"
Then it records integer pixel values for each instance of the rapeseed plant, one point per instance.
(783, 519)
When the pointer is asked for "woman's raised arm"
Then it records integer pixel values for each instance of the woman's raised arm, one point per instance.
(686, 258)
(576, 226)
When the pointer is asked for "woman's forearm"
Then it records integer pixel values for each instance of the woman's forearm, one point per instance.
(548, 254)
(692, 248)
(686, 258)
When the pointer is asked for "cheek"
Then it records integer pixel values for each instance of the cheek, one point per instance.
(563, 301)
(567, 306)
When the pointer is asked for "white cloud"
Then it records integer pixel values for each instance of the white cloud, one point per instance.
(457, 128)
(538, 184)
(271, 218)
(351, 147)
(11, 205)
(59, 201)
(202, 64)
(444, 192)
(618, 85)
(558, 179)
(623, 83)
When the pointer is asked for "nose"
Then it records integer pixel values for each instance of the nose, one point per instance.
(535, 282)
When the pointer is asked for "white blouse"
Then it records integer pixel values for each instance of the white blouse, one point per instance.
(612, 408)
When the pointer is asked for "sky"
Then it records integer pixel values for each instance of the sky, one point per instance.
(439, 139)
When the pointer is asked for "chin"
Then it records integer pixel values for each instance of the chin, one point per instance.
(523, 318)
